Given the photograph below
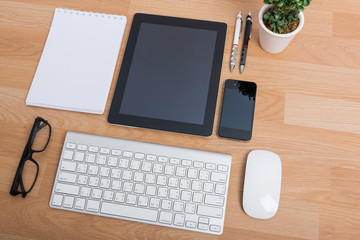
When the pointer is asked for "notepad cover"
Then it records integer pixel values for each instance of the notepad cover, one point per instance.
(78, 61)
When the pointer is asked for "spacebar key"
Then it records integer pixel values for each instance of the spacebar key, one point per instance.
(130, 212)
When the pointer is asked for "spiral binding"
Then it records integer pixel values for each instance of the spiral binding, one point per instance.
(90, 14)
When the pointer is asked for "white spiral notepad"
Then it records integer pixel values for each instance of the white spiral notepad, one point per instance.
(78, 61)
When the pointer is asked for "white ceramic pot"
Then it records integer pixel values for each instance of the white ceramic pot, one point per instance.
(275, 42)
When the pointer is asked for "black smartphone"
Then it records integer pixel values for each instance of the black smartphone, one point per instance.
(237, 111)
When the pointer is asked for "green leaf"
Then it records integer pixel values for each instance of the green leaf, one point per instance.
(266, 16)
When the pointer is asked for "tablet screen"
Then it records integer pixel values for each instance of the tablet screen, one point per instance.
(170, 73)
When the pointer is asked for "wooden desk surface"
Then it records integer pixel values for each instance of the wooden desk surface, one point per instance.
(307, 111)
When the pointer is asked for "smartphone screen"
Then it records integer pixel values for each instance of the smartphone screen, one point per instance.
(237, 112)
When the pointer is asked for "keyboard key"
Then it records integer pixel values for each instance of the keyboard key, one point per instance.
(208, 187)
(220, 189)
(166, 204)
(82, 147)
(85, 192)
(174, 193)
(202, 226)
(67, 189)
(175, 161)
(166, 217)
(150, 178)
(128, 186)
(68, 202)
(79, 156)
(180, 171)
(190, 208)
(139, 188)
(70, 145)
(150, 157)
(116, 152)
(146, 167)
(131, 199)
(185, 196)
(218, 177)
(158, 168)
(104, 151)
(161, 180)
(214, 200)
(104, 171)
(82, 168)
(163, 159)
(143, 201)
(96, 193)
(135, 165)
(129, 211)
(222, 168)
(138, 176)
(190, 224)
(173, 182)
(178, 206)
(204, 220)
(68, 154)
(57, 200)
(154, 202)
(93, 149)
(115, 173)
(108, 195)
(94, 181)
(112, 161)
(93, 170)
(82, 180)
(186, 162)
(139, 156)
(127, 175)
(101, 159)
(105, 183)
(67, 177)
(162, 192)
(93, 206)
(90, 158)
(209, 211)
(215, 228)
(179, 219)
(210, 166)
(116, 185)
(80, 203)
(151, 190)
(119, 197)
(198, 164)
(68, 166)
(169, 170)
(124, 163)
(196, 185)
(128, 154)
(185, 183)
(198, 197)
(204, 175)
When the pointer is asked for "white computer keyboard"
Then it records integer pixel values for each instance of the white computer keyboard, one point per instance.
(143, 182)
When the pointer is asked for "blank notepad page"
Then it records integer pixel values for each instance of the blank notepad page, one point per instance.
(78, 61)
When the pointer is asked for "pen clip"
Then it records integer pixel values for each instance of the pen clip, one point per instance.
(241, 26)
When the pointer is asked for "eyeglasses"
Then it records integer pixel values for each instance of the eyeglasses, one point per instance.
(38, 140)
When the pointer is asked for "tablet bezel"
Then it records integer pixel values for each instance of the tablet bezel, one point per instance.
(115, 117)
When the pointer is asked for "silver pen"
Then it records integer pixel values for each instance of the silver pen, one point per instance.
(237, 35)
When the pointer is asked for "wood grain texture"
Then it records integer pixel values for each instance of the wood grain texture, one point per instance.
(307, 111)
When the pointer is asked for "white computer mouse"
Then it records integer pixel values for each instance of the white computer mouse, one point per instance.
(262, 184)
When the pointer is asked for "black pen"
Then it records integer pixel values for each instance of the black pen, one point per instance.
(247, 36)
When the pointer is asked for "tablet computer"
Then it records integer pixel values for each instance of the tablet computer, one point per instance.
(169, 76)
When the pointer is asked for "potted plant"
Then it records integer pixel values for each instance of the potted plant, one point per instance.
(280, 21)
